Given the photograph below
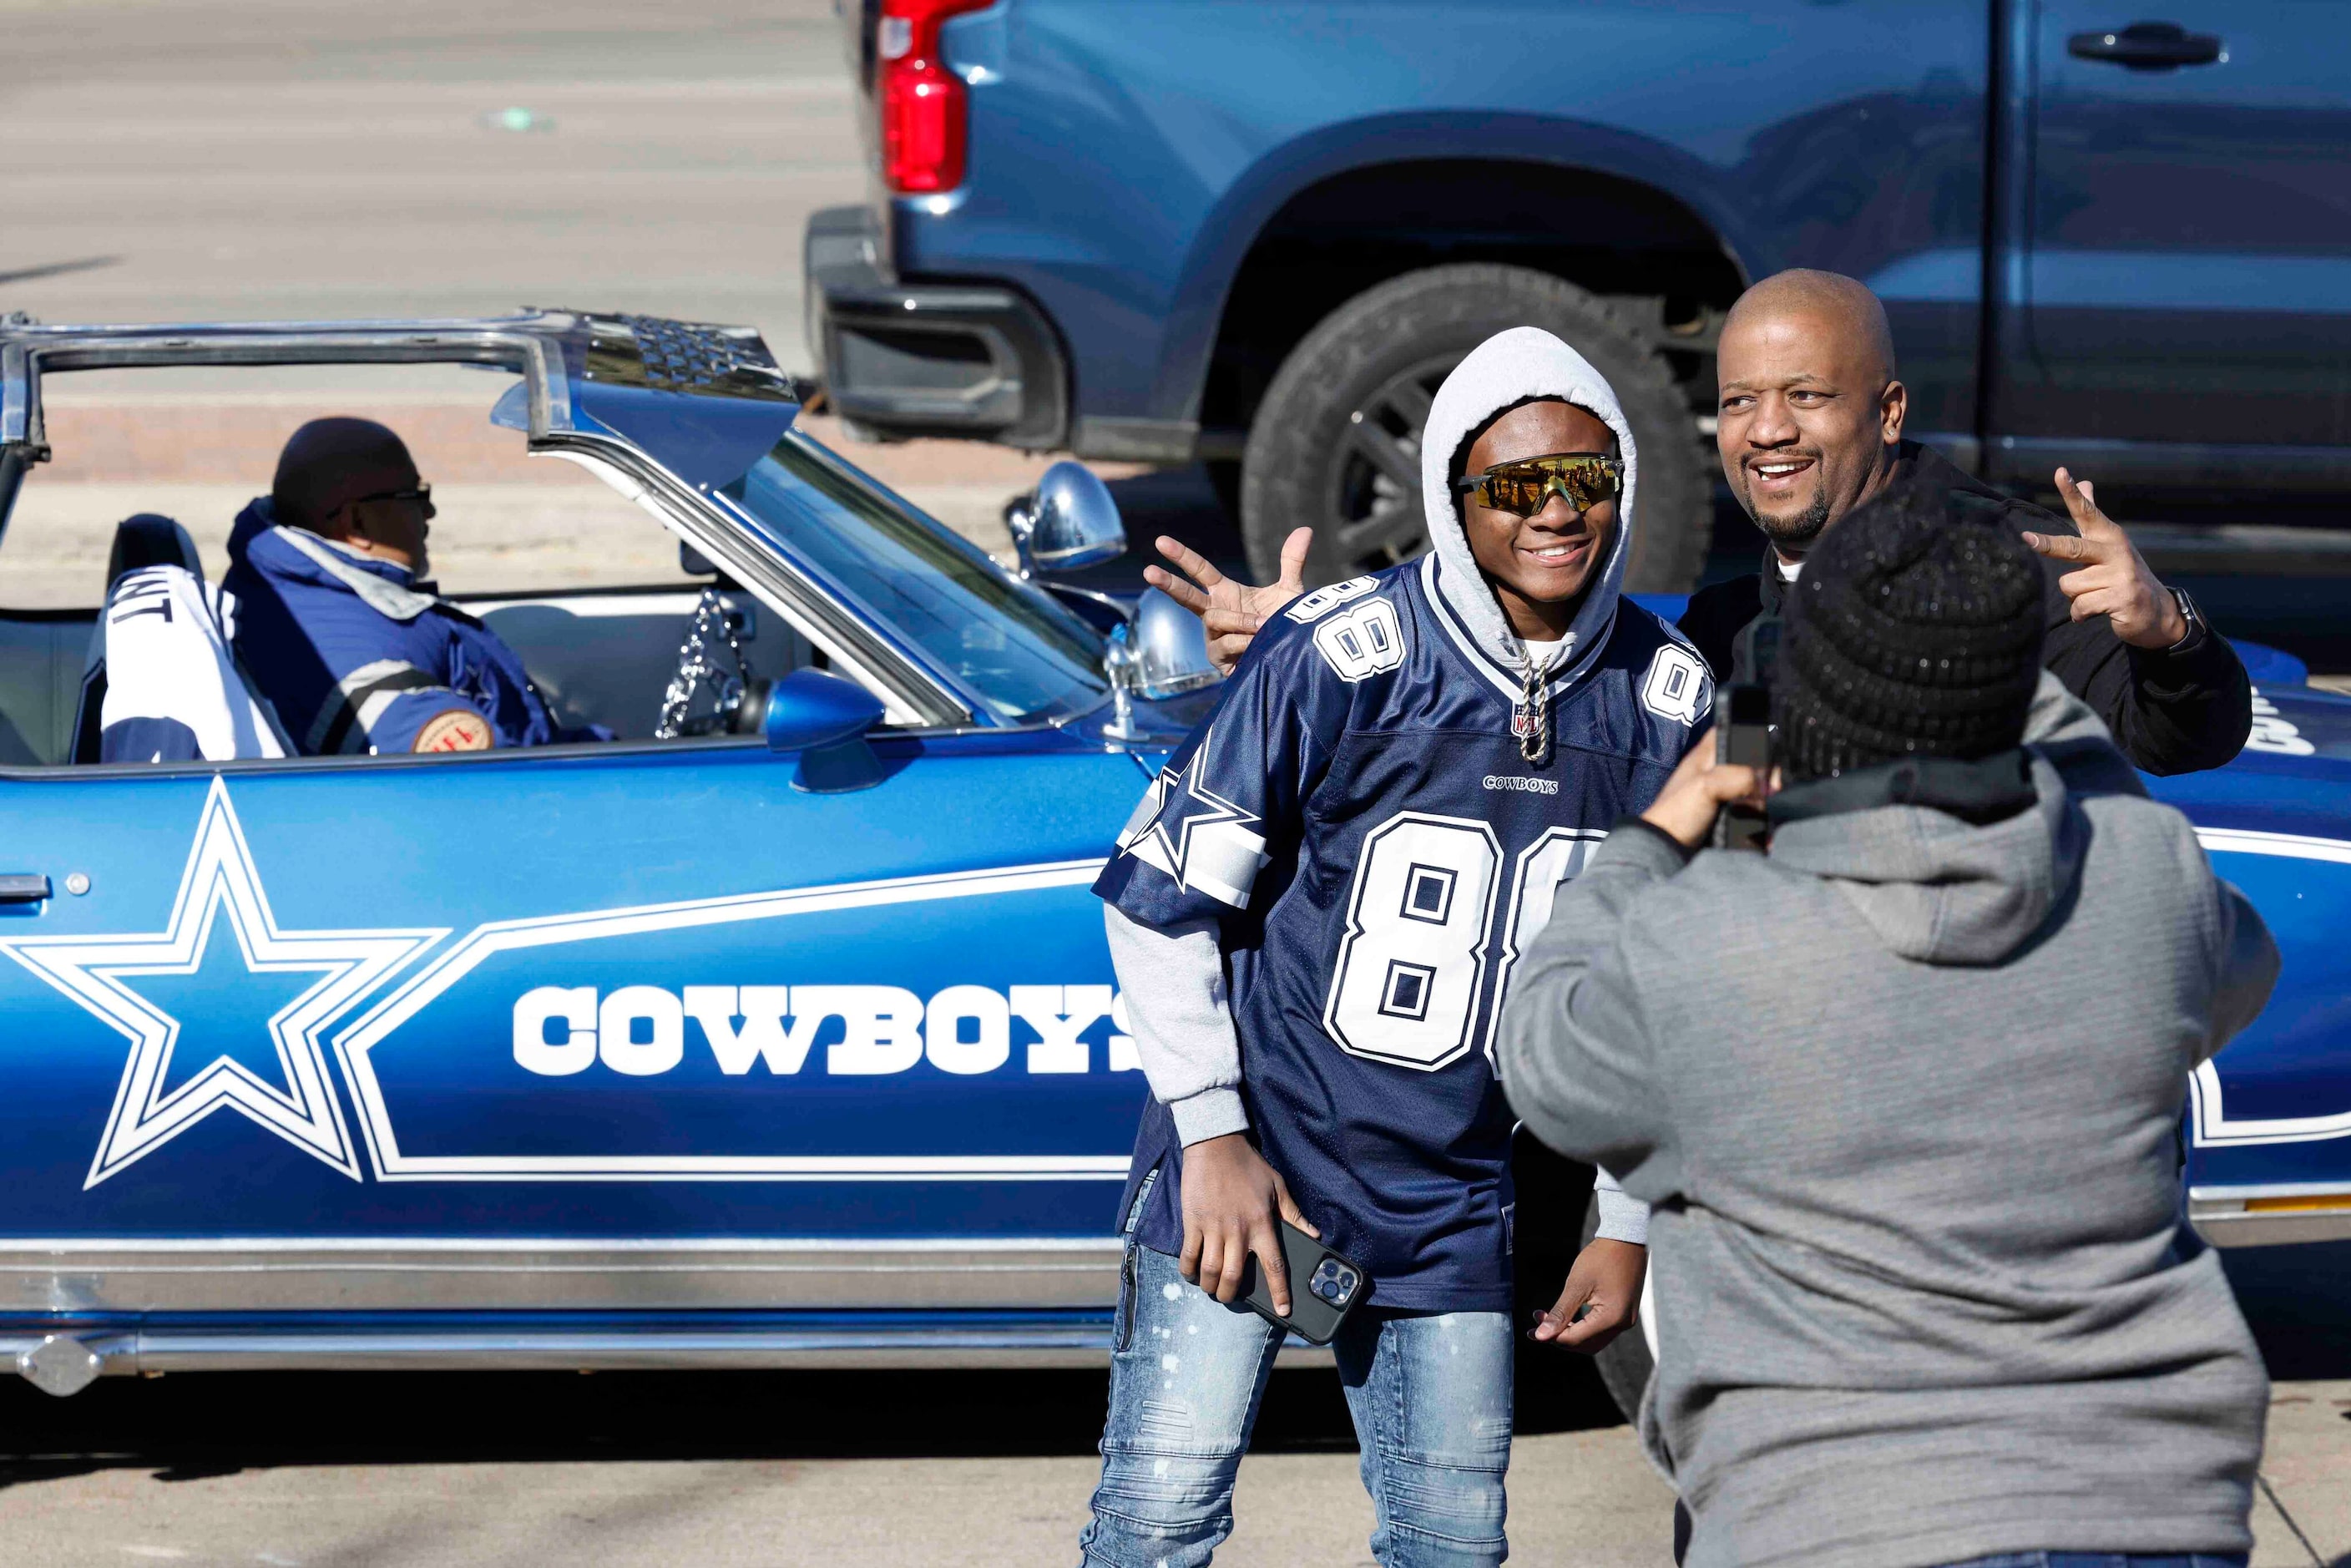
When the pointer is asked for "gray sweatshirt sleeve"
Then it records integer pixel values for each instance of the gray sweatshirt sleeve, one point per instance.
(1623, 1216)
(1174, 983)
(1573, 1047)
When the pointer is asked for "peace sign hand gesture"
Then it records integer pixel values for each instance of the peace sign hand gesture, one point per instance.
(2114, 579)
(1232, 611)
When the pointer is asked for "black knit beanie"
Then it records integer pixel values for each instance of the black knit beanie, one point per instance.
(1914, 629)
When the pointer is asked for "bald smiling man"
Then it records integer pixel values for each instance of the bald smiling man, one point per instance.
(335, 626)
(1809, 427)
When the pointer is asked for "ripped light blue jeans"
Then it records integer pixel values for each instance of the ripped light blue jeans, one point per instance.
(1430, 1396)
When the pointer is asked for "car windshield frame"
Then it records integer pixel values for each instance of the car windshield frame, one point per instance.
(938, 595)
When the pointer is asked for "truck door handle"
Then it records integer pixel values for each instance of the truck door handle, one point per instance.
(2147, 46)
(23, 887)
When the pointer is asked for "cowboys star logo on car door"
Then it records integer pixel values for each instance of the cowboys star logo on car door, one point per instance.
(220, 895)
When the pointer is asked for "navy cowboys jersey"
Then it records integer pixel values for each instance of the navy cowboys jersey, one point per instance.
(1358, 819)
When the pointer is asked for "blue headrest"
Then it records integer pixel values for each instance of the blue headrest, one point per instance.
(150, 538)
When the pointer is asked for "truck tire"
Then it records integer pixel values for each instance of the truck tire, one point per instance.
(1335, 444)
(1626, 1364)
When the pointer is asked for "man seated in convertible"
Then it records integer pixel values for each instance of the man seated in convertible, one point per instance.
(335, 626)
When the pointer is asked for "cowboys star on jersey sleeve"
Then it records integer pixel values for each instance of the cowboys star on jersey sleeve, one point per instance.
(1192, 848)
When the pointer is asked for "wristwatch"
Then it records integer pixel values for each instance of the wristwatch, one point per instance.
(2196, 626)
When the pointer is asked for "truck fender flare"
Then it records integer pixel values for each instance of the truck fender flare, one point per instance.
(1231, 229)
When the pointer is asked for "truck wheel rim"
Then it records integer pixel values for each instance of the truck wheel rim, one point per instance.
(1374, 514)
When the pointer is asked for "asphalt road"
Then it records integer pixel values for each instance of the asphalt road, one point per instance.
(259, 158)
(285, 158)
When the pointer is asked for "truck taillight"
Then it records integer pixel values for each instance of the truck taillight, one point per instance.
(926, 120)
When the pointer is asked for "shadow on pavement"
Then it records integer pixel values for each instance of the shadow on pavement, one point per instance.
(2298, 1301)
(191, 1427)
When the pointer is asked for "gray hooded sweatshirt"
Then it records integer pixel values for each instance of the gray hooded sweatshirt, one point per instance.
(1905, 1094)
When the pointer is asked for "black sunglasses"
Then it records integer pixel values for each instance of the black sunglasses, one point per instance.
(422, 496)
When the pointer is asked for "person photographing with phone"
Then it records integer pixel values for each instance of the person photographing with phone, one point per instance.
(1315, 914)
(1904, 1089)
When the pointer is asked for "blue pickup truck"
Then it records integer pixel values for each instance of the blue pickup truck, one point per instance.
(1260, 235)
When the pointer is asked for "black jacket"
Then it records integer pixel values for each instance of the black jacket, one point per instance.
(2171, 711)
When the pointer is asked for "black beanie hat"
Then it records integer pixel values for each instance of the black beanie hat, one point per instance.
(1914, 629)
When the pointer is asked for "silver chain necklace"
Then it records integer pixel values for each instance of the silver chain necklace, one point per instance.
(1533, 719)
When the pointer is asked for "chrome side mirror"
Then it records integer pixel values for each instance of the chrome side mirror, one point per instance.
(824, 719)
(1068, 521)
(1161, 653)
(1170, 645)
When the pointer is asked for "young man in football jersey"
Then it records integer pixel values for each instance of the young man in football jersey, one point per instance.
(1315, 914)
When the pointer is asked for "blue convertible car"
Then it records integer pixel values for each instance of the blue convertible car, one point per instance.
(789, 1038)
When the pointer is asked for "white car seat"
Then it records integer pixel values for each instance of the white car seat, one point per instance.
(162, 683)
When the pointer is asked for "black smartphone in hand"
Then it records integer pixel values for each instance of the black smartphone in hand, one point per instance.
(1743, 735)
(1742, 729)
(1323, 1287)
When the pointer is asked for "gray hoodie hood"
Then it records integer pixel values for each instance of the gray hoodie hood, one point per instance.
(1939, 890)
(1506, 369)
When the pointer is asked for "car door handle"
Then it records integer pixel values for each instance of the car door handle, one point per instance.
(2147, 46)
(23, 887)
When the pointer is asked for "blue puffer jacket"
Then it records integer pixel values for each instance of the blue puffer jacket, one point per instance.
(356, 660)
